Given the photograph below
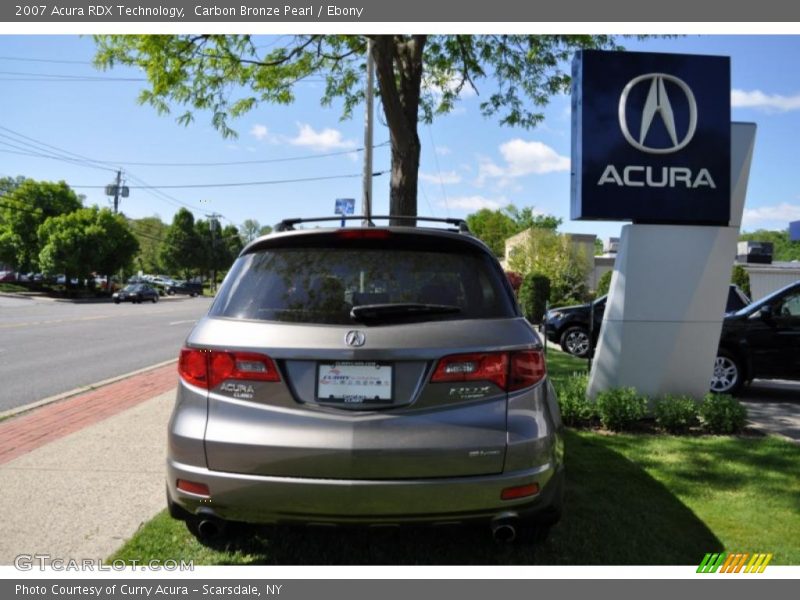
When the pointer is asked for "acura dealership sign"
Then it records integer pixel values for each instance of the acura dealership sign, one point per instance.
(651, 138)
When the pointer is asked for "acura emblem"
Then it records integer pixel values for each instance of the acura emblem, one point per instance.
(355, 338)
(658, 102)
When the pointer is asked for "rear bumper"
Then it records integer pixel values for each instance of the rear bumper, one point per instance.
(262, 499)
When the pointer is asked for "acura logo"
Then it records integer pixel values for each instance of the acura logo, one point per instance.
(658, 103)
(355, 338)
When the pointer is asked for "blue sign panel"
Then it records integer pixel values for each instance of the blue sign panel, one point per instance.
(651, 136)
(344, 206)
(794, 231)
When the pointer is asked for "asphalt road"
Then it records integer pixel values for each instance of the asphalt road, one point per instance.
(49, 347)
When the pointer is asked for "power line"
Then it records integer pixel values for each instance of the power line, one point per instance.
(46, 60)
(66, 77)
(238, 183)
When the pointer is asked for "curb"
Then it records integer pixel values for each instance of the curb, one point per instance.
(80, 390)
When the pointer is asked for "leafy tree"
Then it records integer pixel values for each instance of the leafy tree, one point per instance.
(181, 249)
(533, 296)
(85, 241)
(250, 229)
(555, 256)
(783, 247)
(9, 184)
(494, 227)
(150, 232)
(220, 246)
(417, 76)
(23, 209)
(265, 230)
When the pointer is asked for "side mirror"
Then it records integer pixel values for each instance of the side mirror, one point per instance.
(764, 313)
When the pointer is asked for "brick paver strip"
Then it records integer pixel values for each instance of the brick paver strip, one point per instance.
(41, 426)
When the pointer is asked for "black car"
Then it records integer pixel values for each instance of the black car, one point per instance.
(136, 293)
(760, 341)
(569, 326)
(184, 287)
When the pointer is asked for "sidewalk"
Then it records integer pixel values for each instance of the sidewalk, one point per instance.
(78, 477)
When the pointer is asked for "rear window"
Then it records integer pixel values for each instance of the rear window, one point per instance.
(322, 284)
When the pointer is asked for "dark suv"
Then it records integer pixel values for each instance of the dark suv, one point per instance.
(760, 341)
(375, 375)
(570, 326)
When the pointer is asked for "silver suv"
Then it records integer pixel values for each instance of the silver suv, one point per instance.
(365, 375)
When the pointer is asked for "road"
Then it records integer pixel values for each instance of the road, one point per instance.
(49, 347)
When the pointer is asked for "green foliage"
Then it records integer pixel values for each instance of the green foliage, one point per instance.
(150, 232)
(576, 409)
(604, 284)
(265, 230)
(722, 414)
(783, 248)
(533, 294)
(250, 229)
(85, 241)
(23, 209)
(218, 248)
(554, 255)
(494, 227)
(676, 414)
(741, 278)
(182, 250)
(620, 408)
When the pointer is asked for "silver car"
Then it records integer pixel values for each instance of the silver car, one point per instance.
(365, 375)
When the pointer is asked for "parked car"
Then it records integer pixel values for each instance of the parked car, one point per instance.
(760, 341)
(382, 375)
(570, 326)
(8, 276)
(136, 293)
(184, 287)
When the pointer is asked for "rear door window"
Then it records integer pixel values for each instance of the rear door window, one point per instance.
(322, 284)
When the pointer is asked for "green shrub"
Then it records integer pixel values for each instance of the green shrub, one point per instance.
(722, 414)
(603, 284)
(741, 278)
(533, 295)
(620, 408)
(576, 409)
(676, 414)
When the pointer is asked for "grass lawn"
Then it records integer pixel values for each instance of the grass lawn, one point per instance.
(631, 499)
(12, 288)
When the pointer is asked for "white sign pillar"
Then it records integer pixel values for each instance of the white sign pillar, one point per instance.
(667, 298)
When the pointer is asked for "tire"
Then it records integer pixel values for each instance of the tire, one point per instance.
(728, 376)
(575, 340)
(116, 300)
(155, 299)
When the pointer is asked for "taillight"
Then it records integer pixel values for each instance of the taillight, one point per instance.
(507, 370)
(208, 368)
(527, 369)
(363, 234)
(473, 367)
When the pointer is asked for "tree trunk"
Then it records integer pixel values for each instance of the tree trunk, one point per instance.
(398, 66)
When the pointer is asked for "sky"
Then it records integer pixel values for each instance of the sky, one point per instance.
(53, 101)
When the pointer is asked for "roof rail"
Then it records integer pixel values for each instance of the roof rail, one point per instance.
(288, 224)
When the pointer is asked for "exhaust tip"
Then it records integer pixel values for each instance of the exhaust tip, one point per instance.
(505, 533)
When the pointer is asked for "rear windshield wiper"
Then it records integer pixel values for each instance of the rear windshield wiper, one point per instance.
(399, 311)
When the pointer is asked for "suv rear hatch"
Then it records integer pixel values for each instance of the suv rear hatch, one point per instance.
(327, 357)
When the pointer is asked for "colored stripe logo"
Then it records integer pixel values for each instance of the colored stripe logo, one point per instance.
(734, 562)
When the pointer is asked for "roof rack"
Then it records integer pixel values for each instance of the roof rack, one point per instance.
(288, 224)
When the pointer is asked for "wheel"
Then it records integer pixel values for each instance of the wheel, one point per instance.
(728, 375)
(116, 300)
(155, 299)
(575, 341)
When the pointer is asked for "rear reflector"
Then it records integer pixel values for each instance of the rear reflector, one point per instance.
(193, 487)
(209, 368)
(509, 371)
(520, 491)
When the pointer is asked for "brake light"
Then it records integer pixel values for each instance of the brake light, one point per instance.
(208, 368)
(362, 234)
(520, 491)
(473, 367)
(527, 369)
(509, 371)
(193, 487)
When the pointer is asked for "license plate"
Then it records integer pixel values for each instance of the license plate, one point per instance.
(354, 382)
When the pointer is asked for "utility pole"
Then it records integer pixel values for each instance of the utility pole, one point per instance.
(213, 223)
(368, 117)
(117, 189)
